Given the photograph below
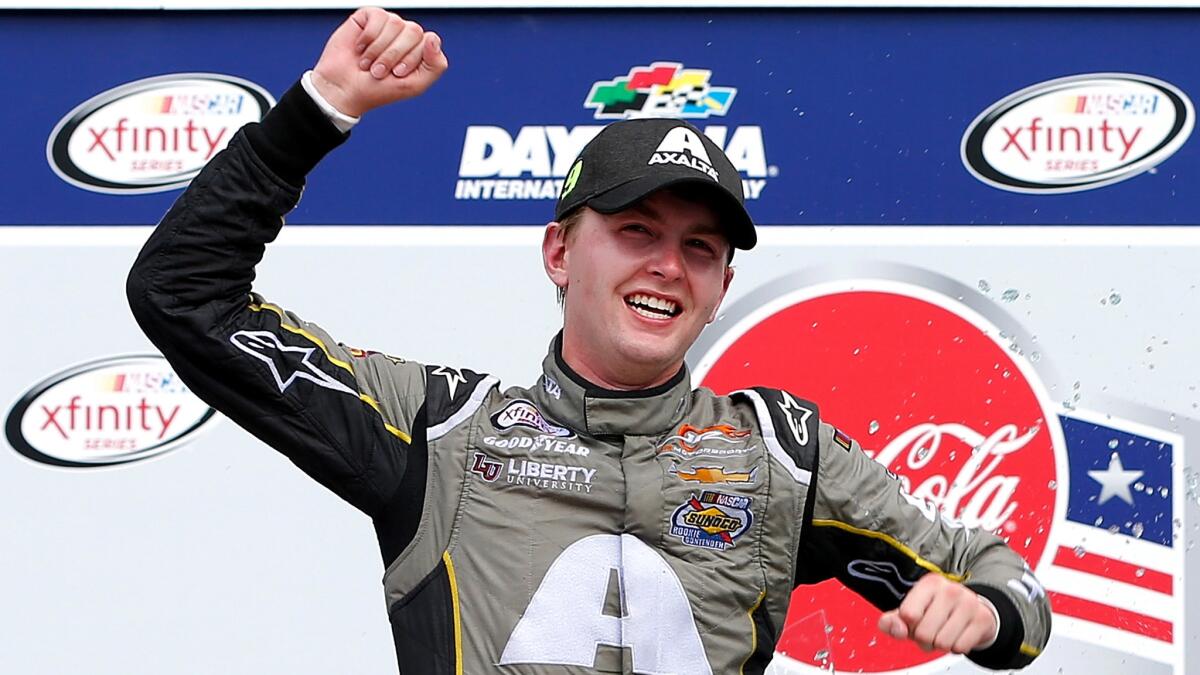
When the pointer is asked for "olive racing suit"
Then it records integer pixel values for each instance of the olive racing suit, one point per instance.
(555, 529)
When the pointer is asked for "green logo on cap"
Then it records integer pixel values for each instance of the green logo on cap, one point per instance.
(572, 178)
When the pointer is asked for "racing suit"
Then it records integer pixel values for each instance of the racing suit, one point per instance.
(559, 528)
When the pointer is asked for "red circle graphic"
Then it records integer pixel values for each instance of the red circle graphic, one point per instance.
(918, 386)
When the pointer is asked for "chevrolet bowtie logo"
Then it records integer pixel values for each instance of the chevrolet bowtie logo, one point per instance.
(714, 474)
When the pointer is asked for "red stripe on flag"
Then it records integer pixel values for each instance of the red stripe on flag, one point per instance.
(1122, 619)
(1117, 570)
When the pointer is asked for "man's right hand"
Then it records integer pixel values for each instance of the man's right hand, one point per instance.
(376, 58)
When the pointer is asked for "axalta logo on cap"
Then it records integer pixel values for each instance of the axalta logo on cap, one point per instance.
(154, 134)
(112, 411)
(533, 161)
(1077, 133)
(928, 387)
(683, 147)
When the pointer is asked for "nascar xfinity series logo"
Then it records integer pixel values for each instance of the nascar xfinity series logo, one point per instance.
(1077, 133)
(532, 161)
(153, 134)
(522, 413)
(111, 411)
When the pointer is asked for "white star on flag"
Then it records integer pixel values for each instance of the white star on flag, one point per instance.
(1115, 481)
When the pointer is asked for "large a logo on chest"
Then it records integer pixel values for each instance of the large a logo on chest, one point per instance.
(566, 619)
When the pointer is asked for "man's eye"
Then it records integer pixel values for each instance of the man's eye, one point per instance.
(635, 227)
(702, 245)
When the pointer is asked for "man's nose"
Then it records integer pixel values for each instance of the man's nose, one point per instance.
(667, 261)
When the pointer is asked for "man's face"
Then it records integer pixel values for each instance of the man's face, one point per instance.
(641, 284)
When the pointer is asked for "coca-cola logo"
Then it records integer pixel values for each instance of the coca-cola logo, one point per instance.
(929, 388)
(1077, 133)
(153, 134)
(977, 494)
(112, 411)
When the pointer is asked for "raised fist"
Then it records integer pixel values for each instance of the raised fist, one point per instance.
(376, 58)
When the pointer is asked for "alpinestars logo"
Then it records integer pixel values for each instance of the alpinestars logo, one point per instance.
(662, 89)
(682, 146)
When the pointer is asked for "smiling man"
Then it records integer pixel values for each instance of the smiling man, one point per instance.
(609, 518)
(641, 244)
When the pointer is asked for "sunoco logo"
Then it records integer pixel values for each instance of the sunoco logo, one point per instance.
(154, 134)
(1077, 133)
(110, 411)
(533, 162)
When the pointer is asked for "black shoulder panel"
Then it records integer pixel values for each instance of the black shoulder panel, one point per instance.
(447, 390)
(793, 422)
(396, 524)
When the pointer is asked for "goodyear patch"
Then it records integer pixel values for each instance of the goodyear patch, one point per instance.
(713, 520)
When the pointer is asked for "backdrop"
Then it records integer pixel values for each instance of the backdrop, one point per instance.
(978, 255)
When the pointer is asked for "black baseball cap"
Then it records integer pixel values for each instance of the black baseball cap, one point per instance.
(629, 159)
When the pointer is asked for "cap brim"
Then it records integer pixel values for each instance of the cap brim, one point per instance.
(738, 226)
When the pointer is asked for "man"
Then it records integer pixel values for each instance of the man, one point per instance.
(610, 518)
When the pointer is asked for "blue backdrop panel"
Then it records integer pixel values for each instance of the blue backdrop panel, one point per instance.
(862, 112)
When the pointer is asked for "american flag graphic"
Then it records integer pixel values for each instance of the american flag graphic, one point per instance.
(1114, 567)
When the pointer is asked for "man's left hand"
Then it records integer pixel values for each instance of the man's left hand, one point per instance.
(943, 615)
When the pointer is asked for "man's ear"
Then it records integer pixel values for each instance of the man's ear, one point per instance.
(724, 289)
(554, 253)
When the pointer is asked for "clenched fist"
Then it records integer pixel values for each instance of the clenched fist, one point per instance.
(943, 615)
(376, 58)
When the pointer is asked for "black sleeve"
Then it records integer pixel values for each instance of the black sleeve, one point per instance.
(342, 415)
(864, 528)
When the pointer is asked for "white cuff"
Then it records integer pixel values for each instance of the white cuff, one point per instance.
(341, 120)
(996, 615)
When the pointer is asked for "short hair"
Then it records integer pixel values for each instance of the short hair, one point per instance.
(566, 226)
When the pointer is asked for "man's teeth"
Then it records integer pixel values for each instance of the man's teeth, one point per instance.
(650, 306)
